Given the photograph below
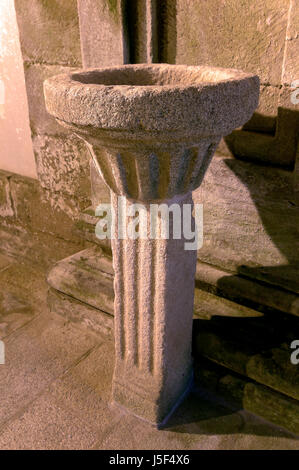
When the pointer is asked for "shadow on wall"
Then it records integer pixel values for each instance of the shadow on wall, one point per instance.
(276, 146)
(280, 218)
(167, 31)
(272, 191)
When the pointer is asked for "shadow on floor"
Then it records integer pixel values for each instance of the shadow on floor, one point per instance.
(202, 414)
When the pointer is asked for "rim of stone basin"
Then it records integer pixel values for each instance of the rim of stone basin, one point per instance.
(198, 100)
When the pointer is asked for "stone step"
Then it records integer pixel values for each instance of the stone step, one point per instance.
(88, 277)
(243, 393)
(85, 226)
(248, 291)
(81, 313)
(259, 288)
(237, 390)
(261, 353)
(235, 341)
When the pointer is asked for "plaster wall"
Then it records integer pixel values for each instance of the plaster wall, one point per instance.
(16, 153)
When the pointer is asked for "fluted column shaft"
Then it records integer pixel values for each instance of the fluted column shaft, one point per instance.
(154, 291)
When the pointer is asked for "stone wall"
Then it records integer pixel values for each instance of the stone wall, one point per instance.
(254, 35)
(251, 215)
(257, 36)
(33, 225)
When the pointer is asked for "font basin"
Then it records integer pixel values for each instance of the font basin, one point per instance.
(158, 98)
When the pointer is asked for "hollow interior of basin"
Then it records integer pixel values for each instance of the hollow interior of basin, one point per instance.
(171, 75)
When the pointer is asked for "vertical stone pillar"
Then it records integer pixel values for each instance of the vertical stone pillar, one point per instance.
(154, 290)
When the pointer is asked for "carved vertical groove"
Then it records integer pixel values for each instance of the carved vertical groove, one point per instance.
(142, 171)
(118, 264)
(154, 286)
(164, 159)
(147, 292)
(128, 160)
(140, 282)
(105, 168)
(131, 301)
(154, 172)
(159, 304)
(201, 168)
(119, 173)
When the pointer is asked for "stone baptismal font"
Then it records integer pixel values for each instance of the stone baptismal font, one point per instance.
(152, 131)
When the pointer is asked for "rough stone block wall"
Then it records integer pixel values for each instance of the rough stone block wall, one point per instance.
(242, 34)
(250, 218)
(257, 36)
(33, 225)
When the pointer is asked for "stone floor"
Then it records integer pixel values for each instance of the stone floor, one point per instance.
(55, 387)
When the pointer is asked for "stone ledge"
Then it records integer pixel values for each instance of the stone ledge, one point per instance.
(6, 202)
(86, 276)
(36, 223)
(37, 248)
